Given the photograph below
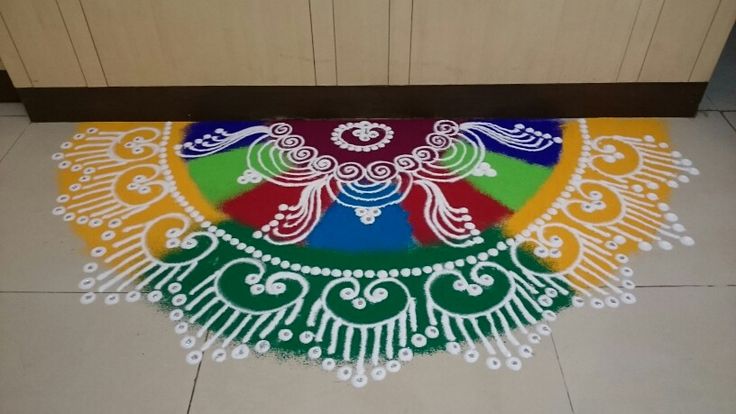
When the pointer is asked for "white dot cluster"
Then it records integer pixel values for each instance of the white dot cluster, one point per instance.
(531, 131)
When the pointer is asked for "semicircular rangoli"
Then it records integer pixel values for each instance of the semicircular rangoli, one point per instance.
(358, 245)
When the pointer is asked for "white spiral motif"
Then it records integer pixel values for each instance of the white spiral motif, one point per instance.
(448, 156)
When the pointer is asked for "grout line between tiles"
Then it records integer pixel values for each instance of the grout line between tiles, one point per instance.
(15, 141)
(562, 372)
(677, 286)
(723, 114)
(196, 377)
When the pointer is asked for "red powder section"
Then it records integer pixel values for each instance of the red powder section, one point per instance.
(257, 207)
(486, 212)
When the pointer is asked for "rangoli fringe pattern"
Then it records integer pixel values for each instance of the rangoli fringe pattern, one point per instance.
(359, 244)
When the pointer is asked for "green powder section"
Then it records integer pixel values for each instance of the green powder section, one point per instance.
(399, 292)
(515, 182)
(216, 175)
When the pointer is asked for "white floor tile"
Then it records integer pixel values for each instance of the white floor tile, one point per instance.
(706, 206)
(12, 109)
(59, 356)
(10, 130)
(38, 251)
(721, 91)
(671, 352)
(439, 383)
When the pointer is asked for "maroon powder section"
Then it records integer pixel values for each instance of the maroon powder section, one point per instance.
(408, 134)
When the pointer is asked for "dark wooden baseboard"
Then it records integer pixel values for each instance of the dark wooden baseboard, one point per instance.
(7, 90)
(445, 101)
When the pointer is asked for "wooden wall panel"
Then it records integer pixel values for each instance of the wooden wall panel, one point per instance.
(52, 43)
(76, 25)
(715, 40)
(193, 42)
(678, 37)
(11, 59)
(591, 38)
(535, 41)
(42, 42)
(361, 36)
(480, 41)
(399, 47)
(323, 35)
(641, 35)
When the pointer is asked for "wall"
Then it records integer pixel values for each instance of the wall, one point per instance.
(45, 43)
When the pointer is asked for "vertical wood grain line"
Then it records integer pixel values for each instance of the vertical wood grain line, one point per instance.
(311, 32)
(20, 82)
(323, 42)
(388, 39)
(69, 37)
(411, 41)
(399, 51)
(94, 44)
(334, 43)
(715, 42)
(628, 40)
(651, 37)
(710, 26)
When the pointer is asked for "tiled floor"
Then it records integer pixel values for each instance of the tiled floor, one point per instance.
(721, 92)
(671, 352)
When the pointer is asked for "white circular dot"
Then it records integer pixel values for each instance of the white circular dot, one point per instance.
(687, 241)
(306, 337)
(133, 296)
(393, 366)
(188, 342)
(378, 373)
(112, 299)
(453, 348)
(471, 356)
(513, 363)
(493, 363)
(240, 352)
(87, 298)
(344, 373)
(285, 334)
(405, 355)
(359, 381)
(176, 314)
(87, 283)
(418, 340)
(219, 355)
(194, 357)
(262, 346)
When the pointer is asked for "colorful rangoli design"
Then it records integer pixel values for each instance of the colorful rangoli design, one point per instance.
(360, 244)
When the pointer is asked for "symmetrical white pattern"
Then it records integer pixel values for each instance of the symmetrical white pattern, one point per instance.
(493, 295)
(451, 153)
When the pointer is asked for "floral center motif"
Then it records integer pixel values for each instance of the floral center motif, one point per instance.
(368, 188)
(363, 136)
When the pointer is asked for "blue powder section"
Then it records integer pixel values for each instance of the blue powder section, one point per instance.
(200, 130)
(548, 157)
(341, 229)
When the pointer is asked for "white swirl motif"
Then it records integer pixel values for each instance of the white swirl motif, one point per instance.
(451, 152)
(371, 136)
